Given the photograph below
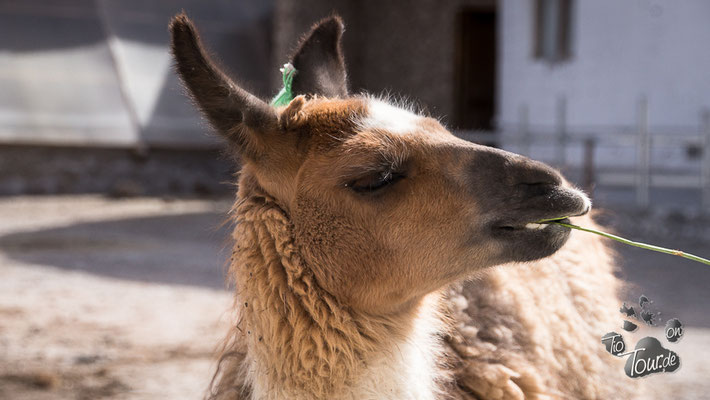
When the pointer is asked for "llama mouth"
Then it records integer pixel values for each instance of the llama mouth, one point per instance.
(544, 213)
(539, 225)
(531, 241)
(532, 228)
(535, 236)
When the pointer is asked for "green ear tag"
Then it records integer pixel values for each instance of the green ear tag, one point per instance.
(285, 95)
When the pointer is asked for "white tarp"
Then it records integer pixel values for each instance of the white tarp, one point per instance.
(99, 72)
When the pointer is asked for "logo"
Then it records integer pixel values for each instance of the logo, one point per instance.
(648, 356)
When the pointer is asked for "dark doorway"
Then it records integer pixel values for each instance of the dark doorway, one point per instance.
(475, 68)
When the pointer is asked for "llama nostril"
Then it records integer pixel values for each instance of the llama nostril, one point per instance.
(534, 174)
(537, 188)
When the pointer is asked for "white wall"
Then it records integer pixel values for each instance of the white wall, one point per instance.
(621, 51)
(59, 84)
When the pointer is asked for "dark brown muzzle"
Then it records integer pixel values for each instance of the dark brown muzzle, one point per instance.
(512, 192)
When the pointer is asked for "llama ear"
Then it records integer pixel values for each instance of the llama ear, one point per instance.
(319, 61)
(235, 113)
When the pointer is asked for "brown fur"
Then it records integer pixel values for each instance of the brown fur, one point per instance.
(314, 343)
(533, 330)
(340, 285)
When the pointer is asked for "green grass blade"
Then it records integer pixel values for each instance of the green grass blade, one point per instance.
(632, 243)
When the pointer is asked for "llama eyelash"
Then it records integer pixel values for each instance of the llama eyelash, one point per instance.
(385, 172)
(372, 184)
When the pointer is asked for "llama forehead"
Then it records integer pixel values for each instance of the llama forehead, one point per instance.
(357, 127)
(381, 115)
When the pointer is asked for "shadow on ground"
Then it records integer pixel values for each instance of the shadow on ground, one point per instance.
(189, 249)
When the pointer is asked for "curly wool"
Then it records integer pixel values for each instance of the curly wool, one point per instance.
(295, 338)
(533, 331)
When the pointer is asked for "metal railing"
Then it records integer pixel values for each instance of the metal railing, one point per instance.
(638, 141)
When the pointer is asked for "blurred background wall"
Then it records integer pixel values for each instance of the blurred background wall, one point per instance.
(97, 72)
(613, 93)
(603, 56)
(89, 101)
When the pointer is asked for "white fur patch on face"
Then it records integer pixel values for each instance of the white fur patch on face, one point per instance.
(381, 115)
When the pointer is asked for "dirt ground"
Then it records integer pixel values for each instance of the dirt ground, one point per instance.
(123, 299)
(93, 300)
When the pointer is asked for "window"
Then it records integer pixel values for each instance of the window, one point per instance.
(553, 30)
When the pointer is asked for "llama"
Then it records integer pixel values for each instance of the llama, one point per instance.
(371, 248)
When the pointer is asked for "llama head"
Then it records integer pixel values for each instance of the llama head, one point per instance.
(386, 205)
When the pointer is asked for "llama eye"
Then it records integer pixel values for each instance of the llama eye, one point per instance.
(375, 182)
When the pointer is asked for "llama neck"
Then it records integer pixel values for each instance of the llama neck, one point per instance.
(301, 343)
(409, 367)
